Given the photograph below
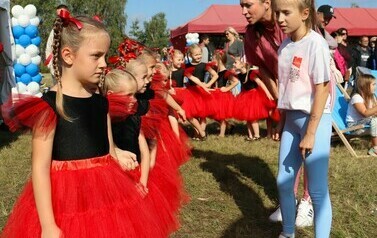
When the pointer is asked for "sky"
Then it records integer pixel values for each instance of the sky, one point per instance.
(178, 12)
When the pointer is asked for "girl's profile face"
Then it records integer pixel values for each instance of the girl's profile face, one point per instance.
(373, 87)
(196, 55)
(237, 64)
(141, 75)
(177, 61)
(151, 64)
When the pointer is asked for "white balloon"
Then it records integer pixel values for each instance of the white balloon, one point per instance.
(19, 50)
(36, 60)
(15, 21)
(32, 50)
(24, 59)
(34, 21)
(196, 35)
(17, 11)
(24, 20)
(21, 87)
(30, 10)
(196, 41)
(33, 88)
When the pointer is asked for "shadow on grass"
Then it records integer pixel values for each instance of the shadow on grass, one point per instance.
(7, 137)
(254, 222)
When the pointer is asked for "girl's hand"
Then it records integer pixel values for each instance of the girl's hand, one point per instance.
(182, 114)
(306, 145)
(205, 88)
(171, 91)
(223, 89)
(126, 159)
(52, 231)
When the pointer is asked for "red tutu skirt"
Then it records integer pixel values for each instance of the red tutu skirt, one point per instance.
(91, 198)
(180, 95)
(223, 104)
(197, 103)
(253, 105)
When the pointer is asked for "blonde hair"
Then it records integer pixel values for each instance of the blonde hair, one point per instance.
(134, 65)
(67, 34)
(363, 83)
(113, 78)
(163, 69)
(193, 47)
(232, 31)
(311, 21)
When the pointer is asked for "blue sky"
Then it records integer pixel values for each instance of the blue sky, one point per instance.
(178, 12)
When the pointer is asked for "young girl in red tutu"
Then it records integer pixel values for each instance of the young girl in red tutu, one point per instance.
(254, 102)
(223, 99)
(177, 89)
(197, 102)
(126, 122)
(77, 188)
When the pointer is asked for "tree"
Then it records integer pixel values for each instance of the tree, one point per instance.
(136, 32)
(156, 33)
(110, 11)
(354, 5)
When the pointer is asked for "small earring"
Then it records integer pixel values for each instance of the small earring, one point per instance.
(101, 80)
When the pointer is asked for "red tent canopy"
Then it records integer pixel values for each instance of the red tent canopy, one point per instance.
(214, 20)
(358, 21)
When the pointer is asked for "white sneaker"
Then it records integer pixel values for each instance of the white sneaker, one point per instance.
(305, 214)
(276, 216)
(282, 235)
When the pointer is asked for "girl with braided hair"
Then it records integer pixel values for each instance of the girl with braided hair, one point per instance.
(78, 187)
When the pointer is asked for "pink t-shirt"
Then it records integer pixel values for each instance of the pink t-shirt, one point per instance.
(262, 51)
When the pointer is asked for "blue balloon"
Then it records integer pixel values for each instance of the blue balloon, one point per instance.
(17, 41)
(24, 40)
(31, 31)
(25, 78)
(36, 41)
(37, 78)
(18, 79)
(19, 69)
(18, 31)
(32, 69)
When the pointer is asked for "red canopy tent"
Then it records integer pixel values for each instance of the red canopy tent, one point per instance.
(213, 21)
(358, 21)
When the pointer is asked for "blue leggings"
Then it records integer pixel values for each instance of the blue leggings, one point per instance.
(316, 165)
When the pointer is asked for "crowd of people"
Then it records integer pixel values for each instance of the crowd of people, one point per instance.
(125, 113)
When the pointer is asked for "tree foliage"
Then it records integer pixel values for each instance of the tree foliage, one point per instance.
(154, 34)
(110, 11)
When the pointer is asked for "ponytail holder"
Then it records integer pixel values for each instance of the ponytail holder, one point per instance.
(220, 51)
(66, 17)
(97, 18)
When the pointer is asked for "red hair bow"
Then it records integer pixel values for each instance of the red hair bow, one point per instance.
(66, 17)
(130, 49)
(97, 18)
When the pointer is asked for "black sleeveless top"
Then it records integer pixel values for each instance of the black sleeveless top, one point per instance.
(199, 72)
(221, 80)
(178, 76)
(86, 136)
(250, 83)
(126, 132)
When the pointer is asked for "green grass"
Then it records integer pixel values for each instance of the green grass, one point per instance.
(232, 187)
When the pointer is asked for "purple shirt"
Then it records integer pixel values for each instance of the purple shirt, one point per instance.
(262, 51)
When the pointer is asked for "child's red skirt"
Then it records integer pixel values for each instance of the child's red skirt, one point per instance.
(90, 198)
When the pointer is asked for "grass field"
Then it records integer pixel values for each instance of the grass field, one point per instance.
(232, 187)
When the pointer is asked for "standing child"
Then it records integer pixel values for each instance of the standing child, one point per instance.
(197, 103)
(222, 97)
(77, 188)
(254, 102)
(362, 109)
(304, 98)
